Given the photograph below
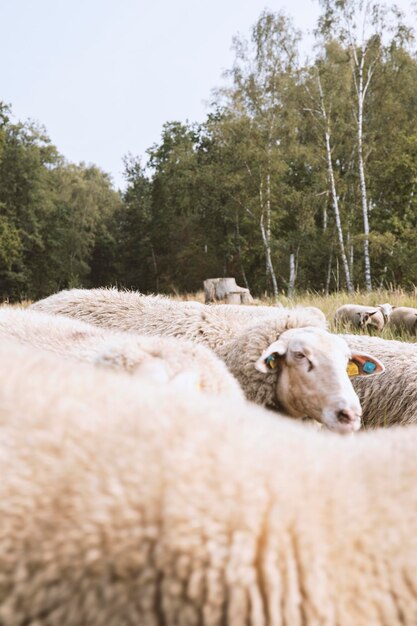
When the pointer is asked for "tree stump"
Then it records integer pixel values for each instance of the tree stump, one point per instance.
(233, 298)
(225, 289)
(245, 297)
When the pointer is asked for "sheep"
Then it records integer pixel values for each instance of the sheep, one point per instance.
(392, 398)
(248, 313)
(364, 317)
(120, 506)
(314, 386)
(135, 312)
(156, 358)
(404, 318)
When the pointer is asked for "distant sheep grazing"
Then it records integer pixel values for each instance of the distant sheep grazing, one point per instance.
(363, 317)
(404, 318)
(123, 506)
(309, 378)
(158, 359)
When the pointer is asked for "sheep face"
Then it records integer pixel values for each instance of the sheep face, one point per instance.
(370, 319)
(312, 377)
(386, 310)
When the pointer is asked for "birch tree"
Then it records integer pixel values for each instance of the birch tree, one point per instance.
(322, 111)
(363, 26)
(259, 77)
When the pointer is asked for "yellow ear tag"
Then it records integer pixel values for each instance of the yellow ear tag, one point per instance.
(270, 361)
(352, 369)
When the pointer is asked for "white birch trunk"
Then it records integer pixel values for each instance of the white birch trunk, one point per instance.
(351, 258)
(268, 258)
(362, 86)
(337, 275)
(329, 273)
(365, 211)
(335, 201)
(266, 232)
(291, 282)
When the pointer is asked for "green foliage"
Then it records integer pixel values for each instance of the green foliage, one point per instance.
(52, 214)
(250, 182)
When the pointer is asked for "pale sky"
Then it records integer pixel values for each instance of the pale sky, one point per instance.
(104, 75)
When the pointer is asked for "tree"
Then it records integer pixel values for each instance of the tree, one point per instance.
(322, 104)
(362, 25)
(135, 256)
(260, 76)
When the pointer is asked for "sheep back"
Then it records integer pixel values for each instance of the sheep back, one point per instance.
(122, 507)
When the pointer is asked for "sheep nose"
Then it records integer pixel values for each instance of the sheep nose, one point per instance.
(346, 416)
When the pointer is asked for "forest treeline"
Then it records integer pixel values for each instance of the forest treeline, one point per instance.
(302, 176)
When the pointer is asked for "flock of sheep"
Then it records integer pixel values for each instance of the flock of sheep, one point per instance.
(151, 476)
(377, 317)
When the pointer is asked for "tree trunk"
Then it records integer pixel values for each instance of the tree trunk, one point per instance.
(329, 273)
(266, 233)
(239, 253)
(337, 275)
(268, 258)
(155, 268)
(349, 285)
(365, 211)
(335, 201)
(291, 282)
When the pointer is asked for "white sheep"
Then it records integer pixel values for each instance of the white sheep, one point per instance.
(154, 358)
(392, 398)
(249, 313)
(364, 317)
(404, 318)
(119, 505)
(313, 384)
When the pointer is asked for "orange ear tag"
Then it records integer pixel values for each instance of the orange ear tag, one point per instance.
(352, 369)
(270, 361)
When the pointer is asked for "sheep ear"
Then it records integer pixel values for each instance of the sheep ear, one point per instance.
(371, 313)
(269, 359)
(387, 307)
(361, 364)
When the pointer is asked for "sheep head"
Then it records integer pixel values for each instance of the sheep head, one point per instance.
(310, 365)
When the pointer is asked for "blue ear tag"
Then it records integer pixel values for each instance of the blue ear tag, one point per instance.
(270, 361)
(369, 367)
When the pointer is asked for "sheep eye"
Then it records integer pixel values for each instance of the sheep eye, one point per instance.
(299, 355)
